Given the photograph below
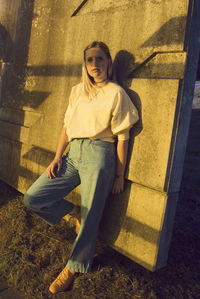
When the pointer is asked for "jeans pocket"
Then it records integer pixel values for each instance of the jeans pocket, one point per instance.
(104, 151)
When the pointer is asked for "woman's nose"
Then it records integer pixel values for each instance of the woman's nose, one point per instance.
(95, 62)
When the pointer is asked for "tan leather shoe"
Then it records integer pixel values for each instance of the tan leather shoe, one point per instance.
(62, 282)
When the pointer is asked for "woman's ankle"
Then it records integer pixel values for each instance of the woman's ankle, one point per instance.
(71, 271)
(75, 211)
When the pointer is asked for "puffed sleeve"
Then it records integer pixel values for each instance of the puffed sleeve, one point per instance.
(124, 115)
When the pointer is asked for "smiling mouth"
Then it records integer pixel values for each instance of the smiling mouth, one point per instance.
(95, 70)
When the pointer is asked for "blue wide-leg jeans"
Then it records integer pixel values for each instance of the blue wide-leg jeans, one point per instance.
(90, 163)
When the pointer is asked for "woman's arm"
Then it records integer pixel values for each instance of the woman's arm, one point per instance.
(55, 165)
(122, 150)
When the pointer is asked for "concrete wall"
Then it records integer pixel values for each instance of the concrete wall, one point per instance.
(151, 44)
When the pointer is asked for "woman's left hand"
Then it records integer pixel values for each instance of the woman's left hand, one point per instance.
(118, 186)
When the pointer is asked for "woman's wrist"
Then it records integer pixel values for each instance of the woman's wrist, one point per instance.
(57, 158)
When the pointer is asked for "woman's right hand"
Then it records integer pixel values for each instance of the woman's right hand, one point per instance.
(53, 168)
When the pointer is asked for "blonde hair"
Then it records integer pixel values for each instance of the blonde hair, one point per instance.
(90, 89)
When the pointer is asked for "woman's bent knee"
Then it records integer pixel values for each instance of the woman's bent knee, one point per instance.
(28, 201)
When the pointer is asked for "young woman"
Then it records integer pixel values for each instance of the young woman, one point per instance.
(97, 123)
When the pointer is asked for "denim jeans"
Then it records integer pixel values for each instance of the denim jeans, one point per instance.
(90, 163)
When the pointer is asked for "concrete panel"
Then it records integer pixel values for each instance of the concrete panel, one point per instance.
(137, 225)
(20, 117)
(46, 72)
(150, 147)
(28, 162)
(151, 43)
(10, 130)
(9, 13)
(162, 65)
(136, 234)
(185, 98)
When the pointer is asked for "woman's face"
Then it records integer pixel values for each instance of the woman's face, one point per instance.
(96, 63)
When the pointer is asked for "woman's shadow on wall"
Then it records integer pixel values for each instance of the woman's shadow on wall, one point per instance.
(116, 205)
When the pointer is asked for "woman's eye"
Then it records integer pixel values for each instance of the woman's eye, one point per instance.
(99, 59)
(89, 59)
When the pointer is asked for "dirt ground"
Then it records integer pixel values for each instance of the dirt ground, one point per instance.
(32, 253)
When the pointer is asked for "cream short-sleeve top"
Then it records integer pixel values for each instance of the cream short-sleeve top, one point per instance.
(107, 116)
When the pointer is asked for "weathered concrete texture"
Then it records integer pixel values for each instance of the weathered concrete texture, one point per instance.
(55, 63)
(163, 66)
(154, 45)
(140, 236)
(132, 231)
(28, 162)
(150, 148)
(9, 13)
